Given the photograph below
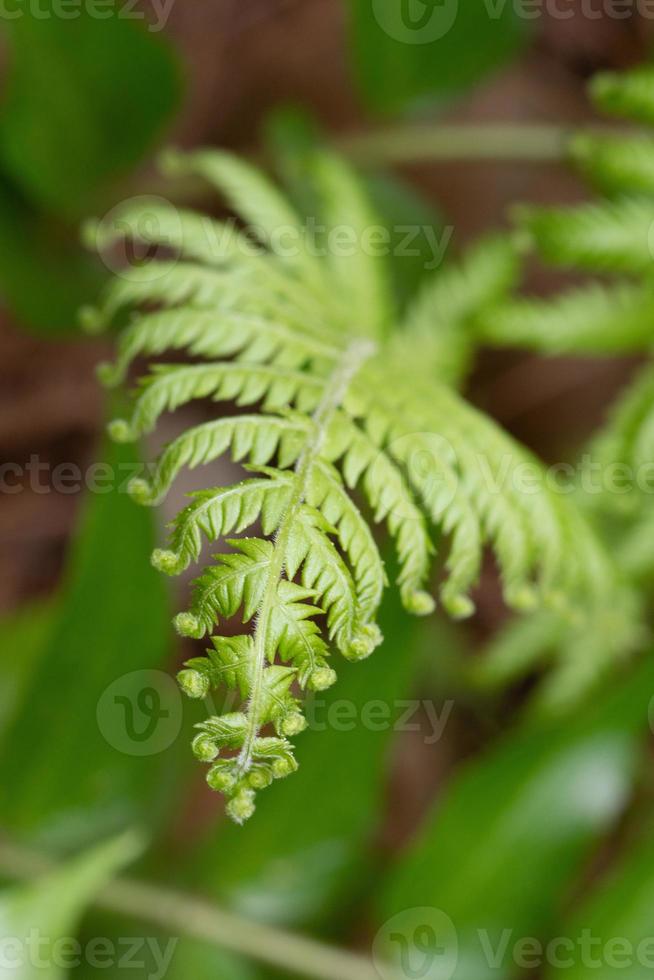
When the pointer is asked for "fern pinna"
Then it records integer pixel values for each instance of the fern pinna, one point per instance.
(612, 235)
(345, 421)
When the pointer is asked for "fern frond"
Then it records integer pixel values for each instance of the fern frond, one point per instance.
(629, 94)
(579, 653)
(339, 407)
(168, 387)
(311, 549)
(238, 579)
(254, 438)
(392, 501)
(216, 513)
(438, 322)
(156, 222)
(326, 493)
(359, 275)
(594, 319)
(610, 236)
(258, 202)
(215, 334)
(615, 164)
(626, 440)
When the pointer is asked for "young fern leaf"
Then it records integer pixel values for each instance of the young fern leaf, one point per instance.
(629, 94)
(616, 164)
(616, 474)
(340, 408)
(593, 319)
(438, 323)
(611, 236)
(627, 441)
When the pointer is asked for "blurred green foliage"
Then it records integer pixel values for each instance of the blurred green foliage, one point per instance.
(510, 837)
(89, 779)
(409, 53)
(86, 97)
(39, 920)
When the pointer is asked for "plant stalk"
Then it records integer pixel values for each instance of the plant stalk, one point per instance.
(461, 141)
(181, 914)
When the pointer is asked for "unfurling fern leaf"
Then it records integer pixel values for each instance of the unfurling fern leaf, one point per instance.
(346, 416)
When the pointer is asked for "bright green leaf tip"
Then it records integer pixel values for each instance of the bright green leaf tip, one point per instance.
(120, 431)
(283, 767)
(165, 561)
(293, 724)
(193, 683)
(241, 807)
(140, 490)
(260, 779)
(189, 625)
(91, 320)
(106, 373)
(220, 779)
(321, 679)
(523, 599)
(204, 748)
(419, 603)
(459, 606)
(363, 644)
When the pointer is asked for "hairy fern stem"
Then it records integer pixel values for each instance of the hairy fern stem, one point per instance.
(354, 357)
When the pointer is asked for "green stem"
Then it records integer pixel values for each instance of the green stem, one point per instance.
(181, 914)
(461, 141)
(353, 358)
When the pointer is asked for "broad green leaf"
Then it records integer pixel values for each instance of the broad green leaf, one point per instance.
(264, 871)
(502, 847)
(406, 51)
(617, 917)
(39, 921)
(23, 636)
(44, 275)
(87, 94)
(85, 750)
